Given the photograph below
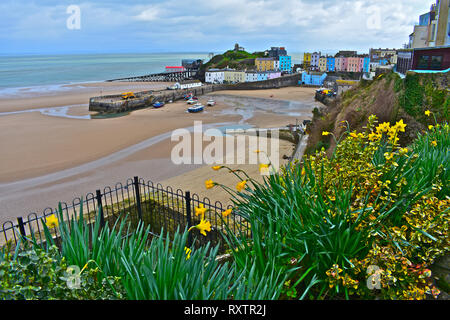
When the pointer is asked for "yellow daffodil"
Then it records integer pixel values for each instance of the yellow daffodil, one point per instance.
(434, 143)
(353, 134)
(264, 168)
(217, 168)
(403, 151)
(384, 127)
(388, 155)
(257, 151)
(226, 213)
(400, 126)
(52, 221)
(241, 185)
(303, 171)
(325, 133)
(428, 113)
(188, 252)
(200, 210)
(204, 226)
(209, 184)
(374, 136)
(430, 127)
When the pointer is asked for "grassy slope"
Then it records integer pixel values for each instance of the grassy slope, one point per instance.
(237, 60)
(391, 99)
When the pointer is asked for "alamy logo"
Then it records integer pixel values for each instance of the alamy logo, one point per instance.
(226, 147)
(73, 22)
(374, 280)
(73, 277)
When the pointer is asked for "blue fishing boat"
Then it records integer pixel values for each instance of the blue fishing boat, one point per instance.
(196, 108)
(158, 104)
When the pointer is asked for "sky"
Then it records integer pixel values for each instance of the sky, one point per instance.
(138, 26)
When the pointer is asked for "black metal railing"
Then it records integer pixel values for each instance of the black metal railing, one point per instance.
(163, 208)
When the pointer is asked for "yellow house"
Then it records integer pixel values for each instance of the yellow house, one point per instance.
(306, 60)
(265, 64)
(323, 64)
(232, 76)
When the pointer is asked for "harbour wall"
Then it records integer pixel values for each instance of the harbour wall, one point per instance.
(144, 99)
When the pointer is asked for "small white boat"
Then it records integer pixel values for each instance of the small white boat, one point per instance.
(191, 101)
(196, 108)
(211, 103)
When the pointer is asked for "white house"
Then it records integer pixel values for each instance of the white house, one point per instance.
(214, 76)
(276, 65)
(251, 76)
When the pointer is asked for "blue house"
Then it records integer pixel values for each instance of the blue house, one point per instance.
(262, 76)
(285, 63)
(313, 78)
(366, 66)
(331, 64)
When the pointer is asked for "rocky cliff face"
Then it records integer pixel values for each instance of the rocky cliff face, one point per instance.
(390, 98)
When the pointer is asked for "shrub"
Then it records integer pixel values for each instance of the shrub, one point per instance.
(372, 211)
(44, 275)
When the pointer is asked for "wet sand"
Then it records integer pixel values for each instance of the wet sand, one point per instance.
(46, 159)
(73, 94)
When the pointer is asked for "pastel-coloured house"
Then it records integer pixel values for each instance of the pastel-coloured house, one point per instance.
(322, 64)
(262, 76)
(315, 59)
(273, 74)
(214, 76)
(366, 64)
(306, 60)
(285, 63)
(234, 76)
(265, 64)
(331, 64)
(355, 64)
(251, 76)
(341, 63)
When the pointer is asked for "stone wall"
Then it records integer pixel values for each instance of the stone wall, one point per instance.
(115, 103)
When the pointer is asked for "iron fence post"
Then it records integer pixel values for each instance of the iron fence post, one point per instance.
(21, 226)
(100, 208)
(138, 197)
(187, 196)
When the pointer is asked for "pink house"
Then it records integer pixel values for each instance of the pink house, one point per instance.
(273, 75)
(341, 63)
(355, 64)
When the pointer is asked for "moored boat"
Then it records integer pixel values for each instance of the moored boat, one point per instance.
(158, 104)
(211, 103)
(196, 108)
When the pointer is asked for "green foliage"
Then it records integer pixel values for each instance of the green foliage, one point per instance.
(43, 275)
(372, 203)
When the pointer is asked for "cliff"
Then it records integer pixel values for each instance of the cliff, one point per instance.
(390, 98)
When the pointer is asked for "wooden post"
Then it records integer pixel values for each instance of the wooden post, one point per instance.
(187, 197)
(138, 197)
(100, 207)
(21, 226)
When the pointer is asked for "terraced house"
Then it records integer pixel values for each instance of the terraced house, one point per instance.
(331, 64)
(265, 64)
(322, 64)
(306, 60)
(285, 63)
(234, 76)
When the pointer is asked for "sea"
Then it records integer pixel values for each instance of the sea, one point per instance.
(49, 73)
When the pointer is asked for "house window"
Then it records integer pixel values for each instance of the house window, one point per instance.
(423, 62)
(436, 62)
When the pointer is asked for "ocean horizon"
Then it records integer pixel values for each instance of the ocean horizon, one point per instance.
(49, 73)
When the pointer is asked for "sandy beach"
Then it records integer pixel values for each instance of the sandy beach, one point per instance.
(49, 156)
